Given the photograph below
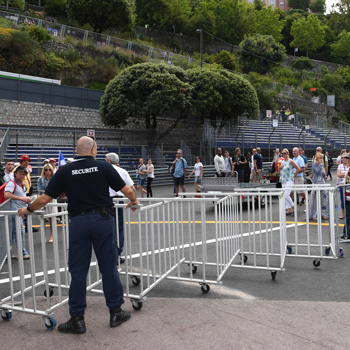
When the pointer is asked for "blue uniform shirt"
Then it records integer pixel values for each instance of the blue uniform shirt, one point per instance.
(86, 183)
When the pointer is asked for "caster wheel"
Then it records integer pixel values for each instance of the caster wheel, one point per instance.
(317, 262)
(205, 288)
(50, 292)
(50, 323)
(289, 249)
(194, 268)
(273, 275)
(135, 280)
(6, 315)
(327, 250)
(136, 305)
(245, 258)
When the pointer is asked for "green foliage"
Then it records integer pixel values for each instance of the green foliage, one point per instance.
(341, 48)
(299, 4)
(144, 92)
(56, 8)
(102, 14)
(318, 6)
(5, 23)
(39, 34)
(324, 70)
(308, 34)
(226, 60)
(259, 5)
(262, 85)
(260, 53)
(303, 63)
(234, 19)
(268, 23)
(333, 83)
(18, 44)
(203, 18)
(221, 95)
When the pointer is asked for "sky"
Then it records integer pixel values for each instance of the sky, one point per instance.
(329, 3)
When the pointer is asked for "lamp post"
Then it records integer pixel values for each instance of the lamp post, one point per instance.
(200, 31)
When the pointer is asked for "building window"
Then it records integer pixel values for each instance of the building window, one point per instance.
(281, 4)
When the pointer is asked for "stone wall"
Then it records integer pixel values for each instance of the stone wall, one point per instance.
(42, 115)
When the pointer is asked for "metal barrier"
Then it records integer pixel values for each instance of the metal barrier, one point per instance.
(318, 238)
(3, 251)
(183, 239)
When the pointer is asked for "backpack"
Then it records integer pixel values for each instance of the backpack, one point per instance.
(2, 192)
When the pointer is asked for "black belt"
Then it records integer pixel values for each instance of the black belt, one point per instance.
(104, 211)
(117, 196)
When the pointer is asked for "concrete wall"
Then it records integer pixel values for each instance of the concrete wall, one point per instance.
(42, 115)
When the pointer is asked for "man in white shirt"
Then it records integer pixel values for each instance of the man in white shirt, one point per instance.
(8, 167)
(113, 159)
(219, 163)
(252, 170)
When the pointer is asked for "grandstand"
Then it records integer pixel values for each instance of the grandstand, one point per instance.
(253, 133)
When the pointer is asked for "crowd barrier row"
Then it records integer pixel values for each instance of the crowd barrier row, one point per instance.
(195, 238)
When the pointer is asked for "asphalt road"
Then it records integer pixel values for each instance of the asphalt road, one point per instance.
(300, 282)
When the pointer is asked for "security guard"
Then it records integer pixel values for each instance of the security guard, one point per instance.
(86, 182)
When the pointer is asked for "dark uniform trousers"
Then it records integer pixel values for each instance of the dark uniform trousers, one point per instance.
(85, 232)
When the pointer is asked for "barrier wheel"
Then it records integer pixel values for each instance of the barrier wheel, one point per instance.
(135, 280)
(194, 268)
(6, 315)
(289, 249)
(245, 258)
(50, 323)
(136, 305)
(327, 250)
(273, 275)
(317, 262)
(50, 292)
(205, 288)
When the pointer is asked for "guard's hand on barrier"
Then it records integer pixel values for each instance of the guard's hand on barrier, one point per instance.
(23, 212)
(132, 204)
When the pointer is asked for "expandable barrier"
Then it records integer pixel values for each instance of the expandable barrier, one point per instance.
(311, 228)
(182, 239)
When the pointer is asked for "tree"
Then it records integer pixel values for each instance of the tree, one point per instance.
(202, 18)
(226, 60)
(318, 6)
(144, 92)
(308, 34)
(220, 95)
(343, 7)
(299, 4)
(268, 23)
(102, 14)
(260, 53)
(234, 19)
(302, 63)
(341, 48)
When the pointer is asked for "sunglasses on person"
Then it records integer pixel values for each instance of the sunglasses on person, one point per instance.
(284, 153)
(345, 158)
(48, 170)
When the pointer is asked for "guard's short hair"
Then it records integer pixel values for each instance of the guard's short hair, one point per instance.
(113, 158)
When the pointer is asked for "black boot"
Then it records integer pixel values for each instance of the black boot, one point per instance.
(74, 325)
(118, 316)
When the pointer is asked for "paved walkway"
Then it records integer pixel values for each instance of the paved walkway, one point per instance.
(192, 324)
